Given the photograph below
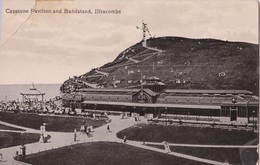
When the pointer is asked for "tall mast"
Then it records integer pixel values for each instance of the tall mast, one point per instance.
(142, 89)
(153, 69)
(145, 30)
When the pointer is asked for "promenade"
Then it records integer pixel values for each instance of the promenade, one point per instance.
(60, 139)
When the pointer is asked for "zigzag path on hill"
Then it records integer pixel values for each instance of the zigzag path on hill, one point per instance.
(183, 63)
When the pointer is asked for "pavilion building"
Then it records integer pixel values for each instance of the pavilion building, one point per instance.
(153, 100)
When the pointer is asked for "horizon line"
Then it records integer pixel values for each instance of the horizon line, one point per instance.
(29, 83)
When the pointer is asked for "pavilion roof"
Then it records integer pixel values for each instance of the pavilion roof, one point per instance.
(203, 91)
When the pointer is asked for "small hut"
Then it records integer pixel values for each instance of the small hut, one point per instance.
(33, 95)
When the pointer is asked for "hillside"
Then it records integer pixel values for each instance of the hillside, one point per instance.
(181, 63)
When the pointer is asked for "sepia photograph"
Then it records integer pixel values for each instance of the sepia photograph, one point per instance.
(147, 82)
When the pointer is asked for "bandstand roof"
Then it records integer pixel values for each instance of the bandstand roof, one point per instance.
(33, 91)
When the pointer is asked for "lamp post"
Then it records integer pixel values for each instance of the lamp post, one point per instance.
(142, 89)
(234, 101)
(165, 115)
(253, 114)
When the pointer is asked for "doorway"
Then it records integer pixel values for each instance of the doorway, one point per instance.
(233, 115)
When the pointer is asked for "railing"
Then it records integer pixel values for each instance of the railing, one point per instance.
(212, 123)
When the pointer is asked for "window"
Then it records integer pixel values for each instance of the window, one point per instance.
(225, 111)
(241, 112)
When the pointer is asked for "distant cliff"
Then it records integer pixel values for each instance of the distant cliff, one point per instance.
(181, 63)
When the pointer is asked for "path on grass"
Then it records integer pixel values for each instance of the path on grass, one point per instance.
(204, 145)
(29, 130)
(60, 139)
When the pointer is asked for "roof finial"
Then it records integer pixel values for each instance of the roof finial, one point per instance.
(33, 87)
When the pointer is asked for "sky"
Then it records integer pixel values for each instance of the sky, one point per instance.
(50, 48)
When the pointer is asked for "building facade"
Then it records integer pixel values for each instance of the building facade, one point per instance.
(153, 100)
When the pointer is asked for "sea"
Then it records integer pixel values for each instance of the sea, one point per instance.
(12, 92)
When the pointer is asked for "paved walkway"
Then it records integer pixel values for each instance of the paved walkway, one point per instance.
(205, 146)
(60, 139)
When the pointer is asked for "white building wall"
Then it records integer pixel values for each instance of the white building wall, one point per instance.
(224, 119)
(242, 120)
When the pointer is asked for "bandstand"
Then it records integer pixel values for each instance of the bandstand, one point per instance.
(33, 95)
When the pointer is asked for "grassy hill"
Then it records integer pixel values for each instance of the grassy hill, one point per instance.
(183, 64)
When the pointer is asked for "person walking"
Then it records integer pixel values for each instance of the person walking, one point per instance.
(2, 158)
(135, 118)
(124, 139)
(108, 128)
(23, 148)
(42, 134)
(87, 130)
(166, 146)
(43, 130)
(81, 129)
(75, 134)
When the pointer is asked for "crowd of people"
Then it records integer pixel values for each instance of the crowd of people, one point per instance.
(34, 107)
(47, 107)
